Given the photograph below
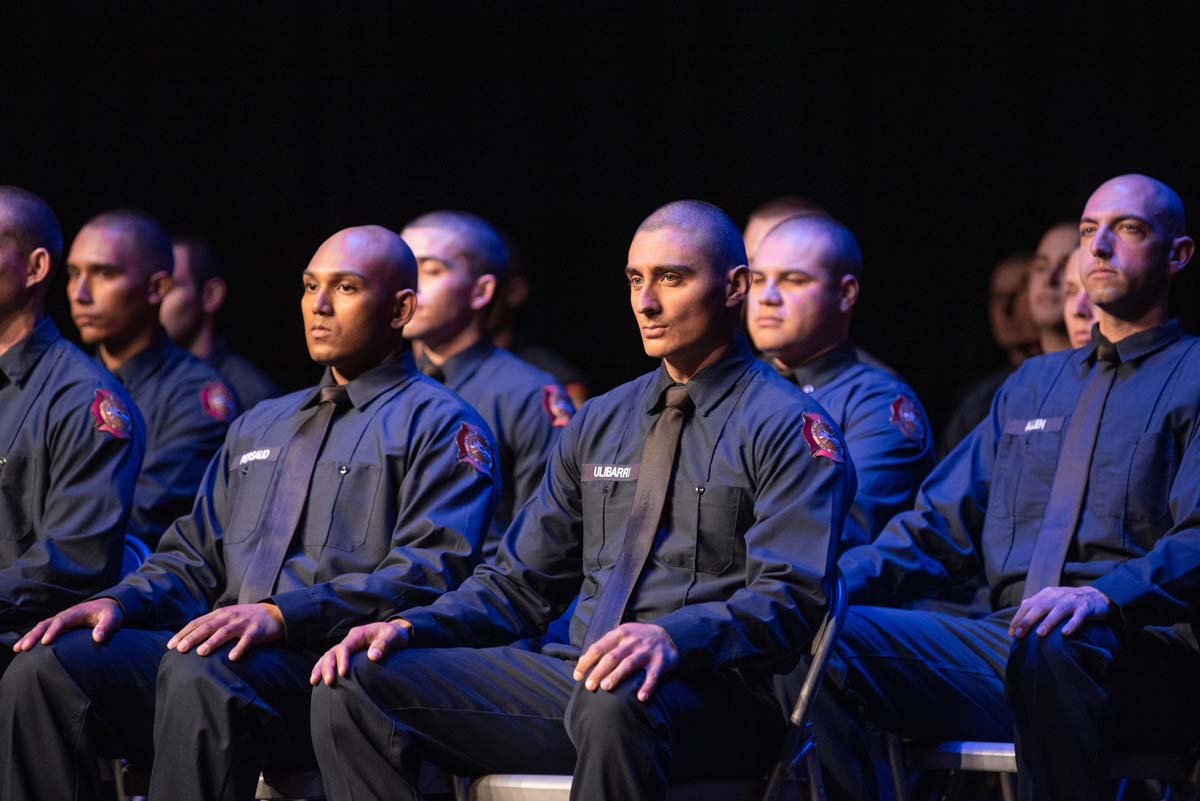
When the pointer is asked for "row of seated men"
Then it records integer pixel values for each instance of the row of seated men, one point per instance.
(356, 581)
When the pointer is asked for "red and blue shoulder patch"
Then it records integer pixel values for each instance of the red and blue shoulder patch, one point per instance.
(217, 401)
(110, 414)
(907, 418)
(821, 439)
(557, 405)
(473, 448)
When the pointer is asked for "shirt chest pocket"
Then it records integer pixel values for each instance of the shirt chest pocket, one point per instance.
(1025, 465)
(248, 487)
(343, 506)
(706, 529)
(1148, 487)
(16, 496)
(595, 500)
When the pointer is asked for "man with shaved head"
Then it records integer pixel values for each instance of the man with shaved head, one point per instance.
(691, 513)
(1078, 499)
(70, 443)
(804, 286)
(118, 271)
(340, 504)
(461, 263)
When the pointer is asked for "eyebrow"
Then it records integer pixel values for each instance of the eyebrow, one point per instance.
(95, 265)
(336, 275)
(659, 269)
(1120, 218)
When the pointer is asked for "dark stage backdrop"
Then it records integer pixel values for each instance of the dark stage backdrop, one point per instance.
(945, 140)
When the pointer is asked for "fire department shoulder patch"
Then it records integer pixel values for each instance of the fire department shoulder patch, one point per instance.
(218, 402)
(821, 439)
(557, 405)
(110, 414)
(906, 418)
(473, 448)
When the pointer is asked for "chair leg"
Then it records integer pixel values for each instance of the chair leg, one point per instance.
(462, 788)
(816, 785)
(895, 757)
(1008, 786)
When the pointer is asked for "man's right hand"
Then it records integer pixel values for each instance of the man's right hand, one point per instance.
(377, 638)
(102, 614)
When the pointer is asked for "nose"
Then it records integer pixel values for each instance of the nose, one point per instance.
(646, 301)
(770, 293)
(321, 303)
(1101, 247)
(1081, 305)
(80, 290)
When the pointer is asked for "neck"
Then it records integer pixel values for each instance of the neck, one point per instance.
(682, 369)
(205, 341)
(1116, 328)
(345, 373)
(439, 352)
(1022, 352)
(17, 326)
(113, 354)
(790, 361)
(1054, 339)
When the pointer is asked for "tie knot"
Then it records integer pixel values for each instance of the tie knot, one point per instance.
(1107, 352)
(336, 395)
(676, 396)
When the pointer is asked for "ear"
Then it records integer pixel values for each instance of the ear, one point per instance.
(37, 267)
(737, 286)
(1182, 249)
(157, 287)
(483, 291)
(213, 294)
(848, 289)
(403, 308)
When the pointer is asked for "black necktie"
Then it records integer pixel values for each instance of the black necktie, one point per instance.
(654, 479)
(1071, 476)
(285, 503)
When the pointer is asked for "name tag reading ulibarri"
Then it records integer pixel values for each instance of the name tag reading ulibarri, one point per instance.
(1036, 424)
(610, 472)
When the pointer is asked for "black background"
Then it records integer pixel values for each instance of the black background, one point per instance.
(945, 137)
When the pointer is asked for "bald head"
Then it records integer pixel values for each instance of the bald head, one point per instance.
(139, 241)
(773, 212)
(28, 221)
(1159, 202)
(839, 253)
(375, 252)
(706, 227)
(477, 242)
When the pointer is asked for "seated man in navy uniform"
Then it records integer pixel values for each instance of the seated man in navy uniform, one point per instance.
(189, 315)
(695, 535)
(118, 270)
(804, 286)
(1079, 499)
(325, 508)
(461, 262)
(70, 444)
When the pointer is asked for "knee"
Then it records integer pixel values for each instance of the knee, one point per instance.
(193, 675)
(607, 712)
(1046, 665)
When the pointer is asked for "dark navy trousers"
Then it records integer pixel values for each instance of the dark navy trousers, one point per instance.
(208, 724)
(1066, 701)
(510, 710)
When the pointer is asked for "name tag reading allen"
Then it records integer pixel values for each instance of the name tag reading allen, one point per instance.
(610, 472)
(1036, 424)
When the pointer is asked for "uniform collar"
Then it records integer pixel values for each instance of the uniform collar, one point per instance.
(220, 351)
(817, 372)
(145, 362)
(1134, 346)
(370, 385)
(708, 387)
(19, 360)
(463, 364)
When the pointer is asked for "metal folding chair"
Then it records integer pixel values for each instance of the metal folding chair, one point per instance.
(133, 781)
(799, 744)
(1178, 772)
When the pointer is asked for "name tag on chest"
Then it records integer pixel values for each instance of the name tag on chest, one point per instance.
(1035, 424)
(610, 472)
(258, 455)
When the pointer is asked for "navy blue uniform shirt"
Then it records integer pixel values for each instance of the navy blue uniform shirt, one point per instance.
(71, 445)
(526, 410)
(1138, 539)
(250, 384)
(187, 407)
(748, 534)
(886, 431)
(401, 496)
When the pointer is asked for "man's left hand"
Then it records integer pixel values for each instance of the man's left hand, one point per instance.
(623, 651)
(250, 624)
(1053, 605)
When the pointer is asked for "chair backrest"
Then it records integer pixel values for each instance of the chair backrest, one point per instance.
(822, 649)
(135, 553)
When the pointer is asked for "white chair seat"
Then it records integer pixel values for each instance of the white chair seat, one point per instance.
(526, 787)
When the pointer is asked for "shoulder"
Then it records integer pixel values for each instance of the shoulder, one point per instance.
(196, 387)
(81, 387)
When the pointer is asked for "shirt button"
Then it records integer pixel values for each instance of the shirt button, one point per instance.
(343, 470)
(3, 461)
(699, 490)
(245, 470)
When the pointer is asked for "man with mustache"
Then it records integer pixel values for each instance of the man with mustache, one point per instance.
(340, 504)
